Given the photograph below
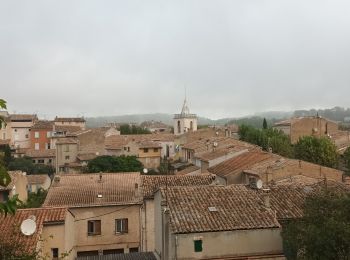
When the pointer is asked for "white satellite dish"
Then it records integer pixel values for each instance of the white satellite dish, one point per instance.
(259, 184)
(28, 226)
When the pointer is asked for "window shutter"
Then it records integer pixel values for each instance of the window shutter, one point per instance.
(126, 225)
(198, 247)
(97, 227)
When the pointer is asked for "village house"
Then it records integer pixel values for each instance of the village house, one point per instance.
(150, 184)
(71, 121)
(66, 155)
(52, 237)
(47, 157)
(257, 164)
(17, 186)
(155, 126)
(215, 222)
(40, 134)
(307, 126)
(17, 130)
(106, 211)
(209, 152)
(38, 181)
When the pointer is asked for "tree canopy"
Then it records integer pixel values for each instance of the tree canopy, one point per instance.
(323, 232)
(133, 130)
(26, 164)
(267, 138)
(317, 150)
(106, 163)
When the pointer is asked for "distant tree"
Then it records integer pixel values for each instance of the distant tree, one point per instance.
(125, 129)
(25, 164)
(324, 230)
(267, 138)
(5, 150)
(264, 124)
(22, 164)
(106, 163)
(317, 150)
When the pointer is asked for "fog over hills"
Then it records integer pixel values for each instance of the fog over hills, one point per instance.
(337, 114)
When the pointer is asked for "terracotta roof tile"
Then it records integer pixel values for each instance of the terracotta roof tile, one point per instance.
(10, 225)
(188, 170)
(69, 119)
(82, 190)
(20, 117)
(43, 124)
(67, 140)
(119, 141)
(241, 162)
(41, 153)
(235, 207)
(37, 178)
(151, 183)
(66, 128)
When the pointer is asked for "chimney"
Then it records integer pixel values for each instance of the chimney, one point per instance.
(100, 177)
(266, 197)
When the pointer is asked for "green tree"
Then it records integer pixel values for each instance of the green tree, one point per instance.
(35, 199)
(324, 230)
(26, 164)
(106, 163)
(264, 124)
(267, 138)
(125, 129)
(317, 150)
(346, 157)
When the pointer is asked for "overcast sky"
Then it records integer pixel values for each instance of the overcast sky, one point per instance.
(235, 57)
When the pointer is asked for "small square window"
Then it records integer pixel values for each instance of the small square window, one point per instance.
(67, 157)
(36, 134)
(27, 136)
(155, 150)
(198, 245)
(41, 161)
(121, 225)
(36, 146)
(94, 227)
(145, 150)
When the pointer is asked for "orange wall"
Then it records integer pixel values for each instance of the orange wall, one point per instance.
(42, 140)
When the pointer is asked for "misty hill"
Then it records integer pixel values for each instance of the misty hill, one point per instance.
(139, 118)
(338, 114)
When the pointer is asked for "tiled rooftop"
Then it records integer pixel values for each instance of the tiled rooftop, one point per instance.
(43, 124)
(188, 170)
(151, 183)
(119, 141)
(22, 117)
(69, 119)
(10, 225)
(37, 178)
(67, 140)
(217, 208)
(81, 190)
(41, 153)
(242, 162)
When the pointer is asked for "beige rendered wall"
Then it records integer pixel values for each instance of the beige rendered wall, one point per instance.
(108, 238)
(227, 243)
(53, 237)
(21, 184)
(149, 234)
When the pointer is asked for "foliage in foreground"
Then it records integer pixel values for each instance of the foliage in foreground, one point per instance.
(35, 199)
(323, 232)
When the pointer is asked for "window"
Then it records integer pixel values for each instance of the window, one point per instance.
(155, 150)
(36, 134)
(198, 245)
(48, 134)
(50, 160)
(41, 161)
(125, 148)
(34, 161)
(47, 146)
(94, 227)
(121, 225)
(27, 136)
(178, 127)
(54, 252)
(191, 125)
(113, 251)
(67, 157)
(66, 148)
(145, 150)
(133, 249)
(37, 146)
(128, 149)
